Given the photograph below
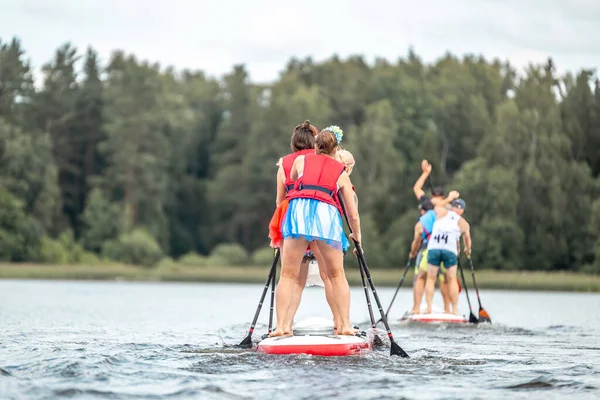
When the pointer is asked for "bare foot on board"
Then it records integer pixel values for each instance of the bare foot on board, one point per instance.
(277, 332)
(349, 331)
(335, 326)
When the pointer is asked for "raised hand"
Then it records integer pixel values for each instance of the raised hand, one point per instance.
(426, 167)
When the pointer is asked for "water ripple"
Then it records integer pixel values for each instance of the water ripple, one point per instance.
(149, 341)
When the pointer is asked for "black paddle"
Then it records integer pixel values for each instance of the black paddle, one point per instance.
(247, 342)
(398, 288)
(472, 317)
(483, 314)
(272, 299)
(395, 349)
(376, 340)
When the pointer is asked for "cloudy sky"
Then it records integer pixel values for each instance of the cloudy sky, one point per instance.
(264, 34)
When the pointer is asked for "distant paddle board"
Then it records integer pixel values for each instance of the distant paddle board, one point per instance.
(437, 316)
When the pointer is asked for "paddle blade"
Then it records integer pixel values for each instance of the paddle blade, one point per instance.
(247, 342)
(473, 319)
(484, 316)
(396, 350)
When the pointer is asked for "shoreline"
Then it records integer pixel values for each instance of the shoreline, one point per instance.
(382, 277)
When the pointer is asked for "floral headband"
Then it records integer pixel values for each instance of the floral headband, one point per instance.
(337, 131)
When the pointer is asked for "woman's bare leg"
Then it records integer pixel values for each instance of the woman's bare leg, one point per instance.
(445, 290)
(328, 287)
(293, 251)
(418, 289)
(453, 288)
(432, 271)
(334, 261)
(299, 285)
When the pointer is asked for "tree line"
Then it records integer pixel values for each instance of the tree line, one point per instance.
(132, 161)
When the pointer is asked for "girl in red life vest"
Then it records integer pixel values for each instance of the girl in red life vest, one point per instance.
(313, 217)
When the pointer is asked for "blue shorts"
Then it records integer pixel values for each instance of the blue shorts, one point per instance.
(436, 257)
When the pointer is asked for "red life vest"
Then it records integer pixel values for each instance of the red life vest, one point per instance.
(287, 162)
(319, 180)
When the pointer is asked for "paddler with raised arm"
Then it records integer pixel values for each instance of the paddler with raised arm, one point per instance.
(422, 232)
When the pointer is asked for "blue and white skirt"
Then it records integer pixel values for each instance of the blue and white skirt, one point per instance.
(314, 220)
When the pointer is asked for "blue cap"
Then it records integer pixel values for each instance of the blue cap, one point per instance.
(459, 203)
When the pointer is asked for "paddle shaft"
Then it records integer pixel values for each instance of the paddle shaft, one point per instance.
(262, 297)
(474, 282)
(272, 298)
(362, 263)
(460, 268)
(399, 285)
(369, 306)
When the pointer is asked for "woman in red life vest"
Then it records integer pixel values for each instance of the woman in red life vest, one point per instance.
(302, 143)
(346, 158)
(313, 216)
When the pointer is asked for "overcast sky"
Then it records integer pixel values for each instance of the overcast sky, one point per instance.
(213, 35)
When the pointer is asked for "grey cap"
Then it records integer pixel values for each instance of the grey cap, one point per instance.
(459, 203)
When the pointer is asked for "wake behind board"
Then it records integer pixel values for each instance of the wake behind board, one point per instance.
(315, 336)
(437, 316)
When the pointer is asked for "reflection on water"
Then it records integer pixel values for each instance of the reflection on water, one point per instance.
(158, 340)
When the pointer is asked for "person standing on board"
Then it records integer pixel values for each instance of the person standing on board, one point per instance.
(346, 158)
(443, 247)
(313, 216)
(422, 232)
(302, 143)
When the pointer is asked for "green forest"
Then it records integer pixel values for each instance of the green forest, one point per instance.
(125, 160)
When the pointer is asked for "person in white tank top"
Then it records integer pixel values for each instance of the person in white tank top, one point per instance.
(445, 233)
(443, 247)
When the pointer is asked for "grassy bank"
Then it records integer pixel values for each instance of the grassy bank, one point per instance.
(486, 279)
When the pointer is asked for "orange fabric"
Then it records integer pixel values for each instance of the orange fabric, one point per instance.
(275, 225)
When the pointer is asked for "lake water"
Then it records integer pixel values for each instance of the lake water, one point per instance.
(115, 340)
